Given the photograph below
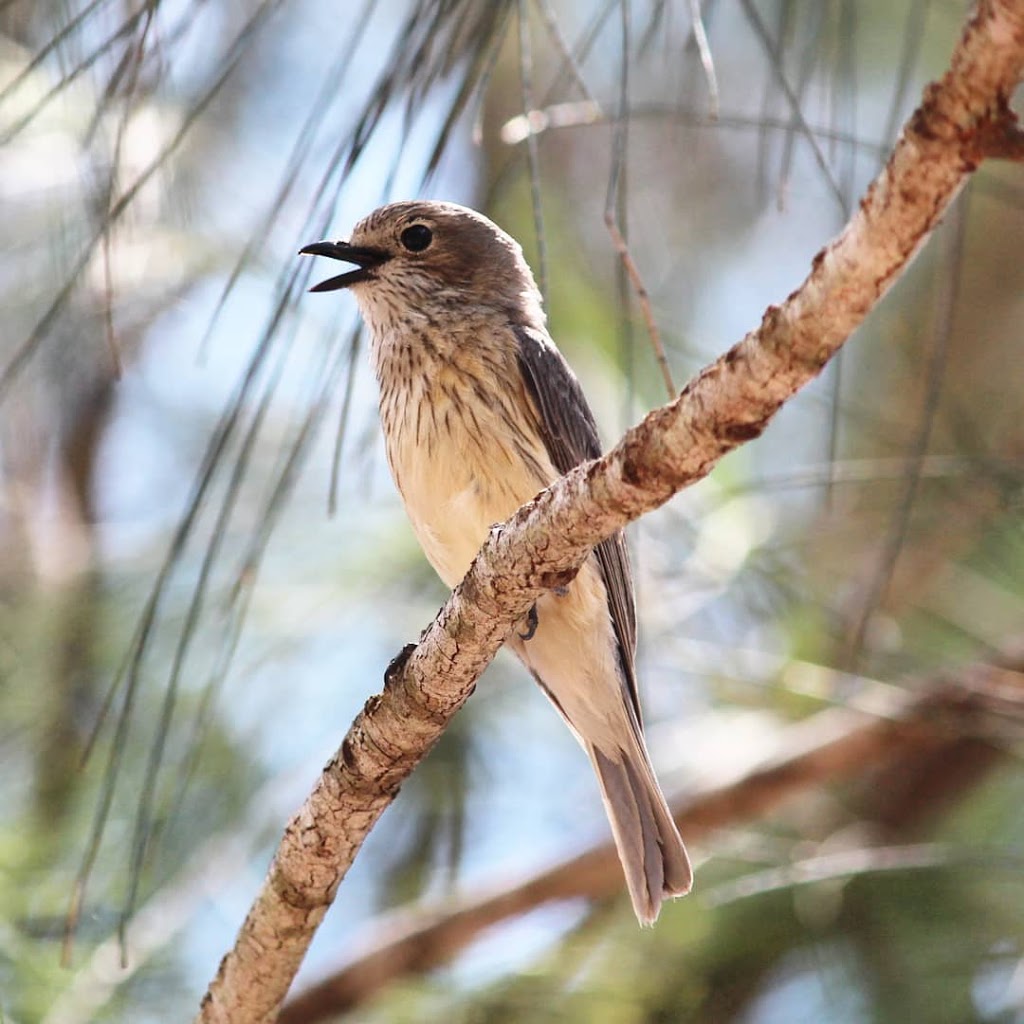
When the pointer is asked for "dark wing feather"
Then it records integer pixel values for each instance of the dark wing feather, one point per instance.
(570, 436)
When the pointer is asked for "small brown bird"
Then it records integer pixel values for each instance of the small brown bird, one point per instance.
(480, 412)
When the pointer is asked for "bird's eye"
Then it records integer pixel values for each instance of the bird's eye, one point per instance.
(417, 237)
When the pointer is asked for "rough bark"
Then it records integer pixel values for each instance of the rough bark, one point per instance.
(963, 118)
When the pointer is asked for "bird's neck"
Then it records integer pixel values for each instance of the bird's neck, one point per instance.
(418, 349)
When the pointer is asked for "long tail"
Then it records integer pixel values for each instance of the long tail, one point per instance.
(653, 856)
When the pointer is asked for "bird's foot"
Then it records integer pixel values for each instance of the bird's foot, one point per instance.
(531, 624)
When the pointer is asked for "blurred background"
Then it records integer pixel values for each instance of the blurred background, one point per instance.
(204, 569)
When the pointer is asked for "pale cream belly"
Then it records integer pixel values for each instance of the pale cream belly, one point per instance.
(454, 492)
(456, 488)
(451, 528)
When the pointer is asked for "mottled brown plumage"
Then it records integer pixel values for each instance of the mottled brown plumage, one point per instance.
(480, 412)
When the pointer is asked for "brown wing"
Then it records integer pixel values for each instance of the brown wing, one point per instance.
(570, 436)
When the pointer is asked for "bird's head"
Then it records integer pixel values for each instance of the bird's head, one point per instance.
(423, 258)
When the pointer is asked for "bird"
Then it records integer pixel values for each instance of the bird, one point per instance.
(480, 412)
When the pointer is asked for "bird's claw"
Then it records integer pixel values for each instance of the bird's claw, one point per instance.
(531, 624)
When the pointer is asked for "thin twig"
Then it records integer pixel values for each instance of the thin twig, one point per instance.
(774, 55)
(569, 62)
(707, 61)
(611, 209)
(532, 147)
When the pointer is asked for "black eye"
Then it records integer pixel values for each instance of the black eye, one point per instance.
(417, 237)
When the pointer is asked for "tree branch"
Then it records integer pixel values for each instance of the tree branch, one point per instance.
(543, 545)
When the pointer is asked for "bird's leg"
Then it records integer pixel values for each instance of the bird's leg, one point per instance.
(531, 623)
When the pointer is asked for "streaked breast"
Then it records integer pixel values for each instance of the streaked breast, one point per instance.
(462, 449)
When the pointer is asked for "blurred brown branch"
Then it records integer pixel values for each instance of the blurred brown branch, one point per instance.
(727, 404)
(905, 733)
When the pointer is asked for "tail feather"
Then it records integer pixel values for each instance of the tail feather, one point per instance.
(652, 853)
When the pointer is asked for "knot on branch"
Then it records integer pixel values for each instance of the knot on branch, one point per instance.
(300, 894)
(557, 580)
(998, 137)
(738, 433)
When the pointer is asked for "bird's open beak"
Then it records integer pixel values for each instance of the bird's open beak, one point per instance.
(367, 260)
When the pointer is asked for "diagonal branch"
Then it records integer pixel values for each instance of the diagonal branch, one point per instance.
(728, 403)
